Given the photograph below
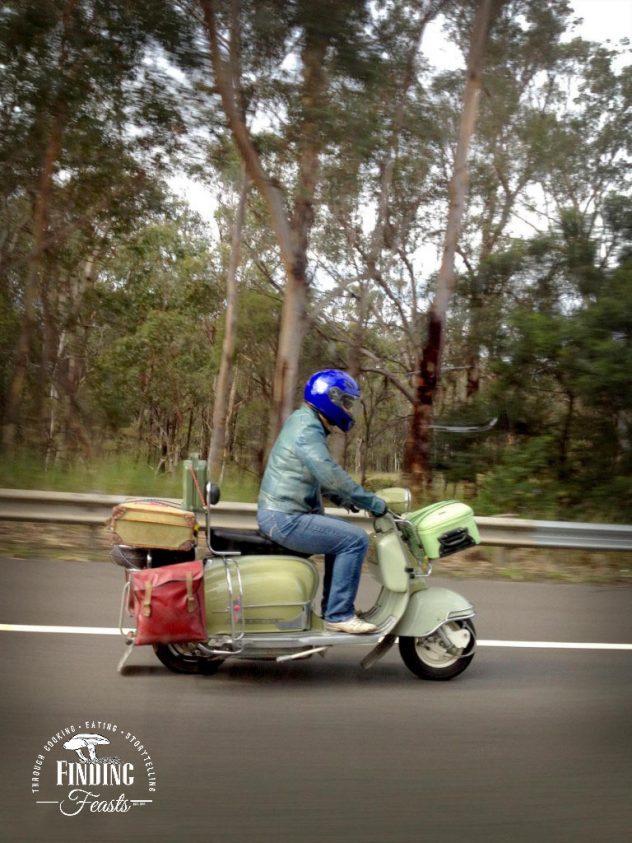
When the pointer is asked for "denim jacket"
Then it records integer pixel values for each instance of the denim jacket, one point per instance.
(300, 470)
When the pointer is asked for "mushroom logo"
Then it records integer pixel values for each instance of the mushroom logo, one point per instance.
(87, 742)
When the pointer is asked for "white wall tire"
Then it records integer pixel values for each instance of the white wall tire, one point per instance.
(430, 658)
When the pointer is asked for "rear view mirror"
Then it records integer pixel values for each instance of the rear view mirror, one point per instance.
(212, 494)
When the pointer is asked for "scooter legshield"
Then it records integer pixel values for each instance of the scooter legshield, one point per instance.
(428, 608)
(258, 594)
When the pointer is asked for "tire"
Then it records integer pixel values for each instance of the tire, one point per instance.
(428, 657)
(180, 658)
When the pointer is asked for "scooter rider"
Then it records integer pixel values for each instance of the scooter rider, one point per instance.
(299, 471)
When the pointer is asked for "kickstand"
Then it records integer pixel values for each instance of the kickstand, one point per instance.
(129, 646)
(377, 652)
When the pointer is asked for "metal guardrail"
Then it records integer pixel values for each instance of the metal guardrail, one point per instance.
(93, 510)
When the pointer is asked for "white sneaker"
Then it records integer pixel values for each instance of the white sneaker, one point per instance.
(354, 626)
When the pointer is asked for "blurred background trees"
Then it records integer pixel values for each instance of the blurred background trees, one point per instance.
(114, 294)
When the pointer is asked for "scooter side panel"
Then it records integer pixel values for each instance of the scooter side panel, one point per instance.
(428, 608)
(390, 570)
(277, 593)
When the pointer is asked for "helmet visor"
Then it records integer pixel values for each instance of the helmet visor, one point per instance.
(346, 402)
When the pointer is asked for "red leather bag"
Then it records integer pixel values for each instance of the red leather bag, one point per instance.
(168, 603)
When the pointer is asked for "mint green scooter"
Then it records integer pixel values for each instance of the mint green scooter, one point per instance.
(259, 596)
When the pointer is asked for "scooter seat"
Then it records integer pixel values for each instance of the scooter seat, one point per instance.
(227, 540)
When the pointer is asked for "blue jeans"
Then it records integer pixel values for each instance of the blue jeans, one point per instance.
(344, 546)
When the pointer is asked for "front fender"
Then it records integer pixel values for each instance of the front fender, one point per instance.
(429, 608)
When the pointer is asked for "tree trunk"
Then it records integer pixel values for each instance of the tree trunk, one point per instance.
(66, 430)
(225, 376)
(230, 412)
(292, 234)
(17, 381)
(417, 454)
(355, 354)
(473, 374)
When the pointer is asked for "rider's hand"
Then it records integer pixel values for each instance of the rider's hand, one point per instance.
(383, 511)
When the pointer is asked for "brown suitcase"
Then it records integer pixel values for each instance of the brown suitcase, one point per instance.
(150, 523)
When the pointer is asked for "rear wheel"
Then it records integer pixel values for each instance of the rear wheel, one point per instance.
(432, 658)
(182, 658)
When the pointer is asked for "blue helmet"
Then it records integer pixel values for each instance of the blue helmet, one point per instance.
(334, 394)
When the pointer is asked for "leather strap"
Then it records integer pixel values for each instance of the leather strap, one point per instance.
(190, 597)
(147, 600)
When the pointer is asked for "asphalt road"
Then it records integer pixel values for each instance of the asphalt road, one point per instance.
(527, 745)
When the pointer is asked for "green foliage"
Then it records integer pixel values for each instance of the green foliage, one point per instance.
(152, 363)
(130, 292)
(522, 483)
(113, 475)
(108, 475)
(8, 333)
(562, 385)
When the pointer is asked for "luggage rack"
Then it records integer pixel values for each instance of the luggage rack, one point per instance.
(235, 603)
(225, 545)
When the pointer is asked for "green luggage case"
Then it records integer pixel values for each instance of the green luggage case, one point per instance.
(276, 594)
(443, 528)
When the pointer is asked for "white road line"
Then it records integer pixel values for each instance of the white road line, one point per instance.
(554, 645)
(542, 645)
(72, 630)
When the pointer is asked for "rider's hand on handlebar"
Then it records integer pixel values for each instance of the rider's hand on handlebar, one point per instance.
(384, 511)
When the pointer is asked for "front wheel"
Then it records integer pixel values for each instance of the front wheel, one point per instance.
(432, 658)
(182, 658)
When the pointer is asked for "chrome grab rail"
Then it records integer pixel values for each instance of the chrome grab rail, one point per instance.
(235, 606)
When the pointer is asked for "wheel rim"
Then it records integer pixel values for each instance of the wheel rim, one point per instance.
(184, 651)
(433, 652)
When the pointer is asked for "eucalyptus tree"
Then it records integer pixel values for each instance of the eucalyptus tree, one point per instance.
(417, 461)
(527, 65)
(151, 356)
(374, 181)
(561, 150)
(562, 377)
(289, 54)
(537, 151)
(225, 387)
(387, 237)
(83, 116)
(525, 58)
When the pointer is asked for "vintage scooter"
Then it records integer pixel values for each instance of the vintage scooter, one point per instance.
(258, 596)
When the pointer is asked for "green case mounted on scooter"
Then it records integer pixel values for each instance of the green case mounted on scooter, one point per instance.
(441, 529)
(257, 594)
